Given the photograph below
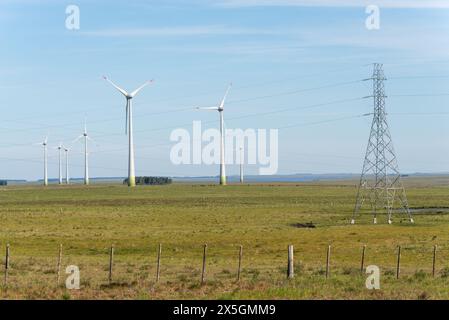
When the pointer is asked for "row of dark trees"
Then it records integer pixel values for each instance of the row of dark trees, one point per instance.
(152, 181)
(3, 183)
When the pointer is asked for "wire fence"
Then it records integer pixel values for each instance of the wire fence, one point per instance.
(173, 264)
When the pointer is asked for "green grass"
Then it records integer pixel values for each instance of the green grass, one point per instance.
(34, 221)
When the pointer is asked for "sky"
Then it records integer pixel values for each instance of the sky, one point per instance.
(295, 65)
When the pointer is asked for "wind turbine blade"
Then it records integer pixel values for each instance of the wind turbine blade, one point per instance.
(94, 141)
(116, 86)
(207, 108)
(225, 96)
(133, 94)
(63, 146)
(82, 136)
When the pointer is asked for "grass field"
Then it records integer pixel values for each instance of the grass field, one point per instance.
(87, 221)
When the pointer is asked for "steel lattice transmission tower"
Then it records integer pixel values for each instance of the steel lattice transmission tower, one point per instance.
(380, 182)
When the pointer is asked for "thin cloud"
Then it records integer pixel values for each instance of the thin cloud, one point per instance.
(412, 4)
(188, 31)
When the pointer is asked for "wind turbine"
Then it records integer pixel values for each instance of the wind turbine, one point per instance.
(86, 154)
(60, 162)
(45, 145)
(241, 165)
(67, 177)
(220, 110)
(129, 127)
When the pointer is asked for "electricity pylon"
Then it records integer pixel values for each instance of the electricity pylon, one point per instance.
(380, 182)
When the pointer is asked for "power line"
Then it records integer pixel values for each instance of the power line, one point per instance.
(200, 94)
(420, 77)
(251, 116)
(259, 114)
(175, 110)
(332, 85)
(420, 95)
(418, 113)
(325, 121)
(170, 143)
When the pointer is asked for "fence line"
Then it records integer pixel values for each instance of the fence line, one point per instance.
(6, 265)
(158, 267)
(328, 261)
(251, 270)
(398, 265)
(239, 271)
(290, 265)
(58, 276)
(434, 260)
(362, 263)
(111, 262)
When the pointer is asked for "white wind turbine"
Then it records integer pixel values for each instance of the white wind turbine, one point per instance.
(220, 110)
(241, 165)
(67, 176)
(60, 148)
(45, 145)
(86, 153)
(129, 128)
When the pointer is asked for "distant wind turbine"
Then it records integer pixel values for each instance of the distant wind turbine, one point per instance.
(67, 176)
(241, 165)
(86, 153)
(220, 109)
(129, 128)
(45, 145)
(60, 162)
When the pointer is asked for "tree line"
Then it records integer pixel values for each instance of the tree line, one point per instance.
(151, 181)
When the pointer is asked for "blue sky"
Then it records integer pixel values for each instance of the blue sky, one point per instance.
(50, 80)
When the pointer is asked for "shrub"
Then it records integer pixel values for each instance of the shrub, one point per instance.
(152, 181)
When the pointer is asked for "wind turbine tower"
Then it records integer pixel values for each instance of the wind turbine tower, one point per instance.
(129, 128)
(86, 137)
(45, 145)
(220, 110)
(241, 165)
(60, 162)
(67, 176)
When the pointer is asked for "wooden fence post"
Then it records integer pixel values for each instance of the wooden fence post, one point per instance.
(398, 265)
(434, 260)
(58, 277)
(328, 261)
(111, 262)
(6, 264)
(158, 267)
(290, 268)
(203, 272)
(362, 264)
(240, 263)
